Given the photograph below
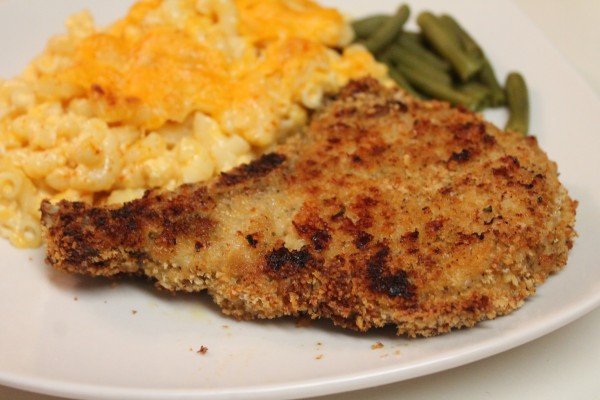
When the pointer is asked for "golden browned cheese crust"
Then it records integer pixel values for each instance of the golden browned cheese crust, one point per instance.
(385, 211)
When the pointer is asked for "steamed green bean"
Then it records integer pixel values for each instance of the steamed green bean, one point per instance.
(517, 98)
(414, 46)
(465, 65)
(388, 31)
(365, 27)
(437, 90)
(442, 61)
(401, 57)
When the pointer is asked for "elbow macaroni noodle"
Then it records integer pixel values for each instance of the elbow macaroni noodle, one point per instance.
(175, 92)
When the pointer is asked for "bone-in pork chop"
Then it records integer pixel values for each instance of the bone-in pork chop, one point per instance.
(386, 210)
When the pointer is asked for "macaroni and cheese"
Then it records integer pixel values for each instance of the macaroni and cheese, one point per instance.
(174, 92)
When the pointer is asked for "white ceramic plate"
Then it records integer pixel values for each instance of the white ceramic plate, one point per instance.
(90, 339)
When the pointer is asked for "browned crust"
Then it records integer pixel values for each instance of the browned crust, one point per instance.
(386, 211)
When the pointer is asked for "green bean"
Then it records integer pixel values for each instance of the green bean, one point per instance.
(478, 91)
(438, 36)
(365, 27)
(402, 82)
(437, 90)
(467, 43)
(387, 32)
(414, 46)
(441, 60)
(487, 76)
(517, 99)
(401, 57)
(414, 37)
(475, 88)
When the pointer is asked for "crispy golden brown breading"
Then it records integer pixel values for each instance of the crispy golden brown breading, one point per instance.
(386, 210)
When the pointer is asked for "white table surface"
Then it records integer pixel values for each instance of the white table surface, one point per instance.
(562, 365)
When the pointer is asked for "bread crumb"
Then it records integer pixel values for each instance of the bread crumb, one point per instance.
(376, 346)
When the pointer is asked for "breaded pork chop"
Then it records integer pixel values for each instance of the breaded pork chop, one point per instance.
(386, 210)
